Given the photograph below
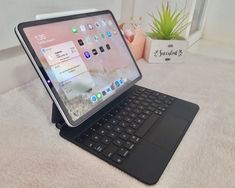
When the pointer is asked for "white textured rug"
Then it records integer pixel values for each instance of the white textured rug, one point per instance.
(32, 154)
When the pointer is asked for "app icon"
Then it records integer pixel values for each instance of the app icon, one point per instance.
(82, 28)
(80, 42)
(88, 39)
(93, 98)
(98, 95)
(110, 22)
(96, 38)
(101, 48)
(43, 50)
(108, 90)
(104, 93)
(94, 51)
(109, 34)
(121, 81)
(117, 83)
(102, 35)
(97, 24)
(87, 54)
(108, 46)
(90, 26)
(103, 23)
(112, 87)
(74, 30)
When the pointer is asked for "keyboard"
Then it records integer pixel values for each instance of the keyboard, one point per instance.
(118, 131)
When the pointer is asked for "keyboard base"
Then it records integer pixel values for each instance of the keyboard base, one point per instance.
(147, 151)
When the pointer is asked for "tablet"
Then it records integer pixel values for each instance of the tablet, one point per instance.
(82, 60)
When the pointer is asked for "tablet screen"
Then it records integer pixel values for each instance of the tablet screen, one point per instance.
(85, 59)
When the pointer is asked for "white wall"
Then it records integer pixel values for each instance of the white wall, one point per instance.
(220, 24)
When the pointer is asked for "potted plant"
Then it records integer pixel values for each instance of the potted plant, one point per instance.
(164, 43)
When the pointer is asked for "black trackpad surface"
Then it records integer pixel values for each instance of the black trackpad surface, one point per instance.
(168, 132)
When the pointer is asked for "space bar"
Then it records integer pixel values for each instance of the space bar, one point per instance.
(147, 125)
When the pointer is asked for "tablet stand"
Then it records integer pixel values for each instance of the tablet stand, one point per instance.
(56, 117)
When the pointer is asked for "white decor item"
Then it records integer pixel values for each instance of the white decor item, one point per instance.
(165, 51)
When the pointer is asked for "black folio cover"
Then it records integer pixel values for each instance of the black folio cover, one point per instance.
(150, 157)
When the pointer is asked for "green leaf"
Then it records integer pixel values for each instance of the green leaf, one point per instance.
(168, 24)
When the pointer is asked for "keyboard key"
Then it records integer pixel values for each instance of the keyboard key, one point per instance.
(95, 137)
(134, 125)
(108, 126)
(136, 101)
(89, 143)
(124, 136)
(119, 117)
(161, 108)
(117, 158)
(139, 120)
(129, 119)
(132, 105)
(118, 129)
(133, 97)
(141, 89)
(134, 139)
(145, 103)
(129, 130)
(140, 98)
(158, 112)
(144, 95)
(138, 111)
(123, 124)
(98, 147)
(141, 107)
(117, 141)
(151, 108)
(143, 116)
(123, 152)
(102, 131)
(147, 125)
(133, 115)
(147, 112)
(156, 93)
(113, 121)
(112, 134)
(149, 100)
(129, 145)
(162, 97)
(155, 105)
(152, 97)
(110, 150)
(105, 140)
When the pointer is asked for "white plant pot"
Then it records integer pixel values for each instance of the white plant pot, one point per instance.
(165, 51)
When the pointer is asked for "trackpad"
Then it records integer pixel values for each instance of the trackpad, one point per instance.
(168, 132)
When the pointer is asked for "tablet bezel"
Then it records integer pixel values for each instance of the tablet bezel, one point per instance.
(44, 77)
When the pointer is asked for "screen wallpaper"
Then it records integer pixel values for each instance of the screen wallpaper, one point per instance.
(85, 59)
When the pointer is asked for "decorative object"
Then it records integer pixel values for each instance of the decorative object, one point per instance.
(165, 43)
(135, 39)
